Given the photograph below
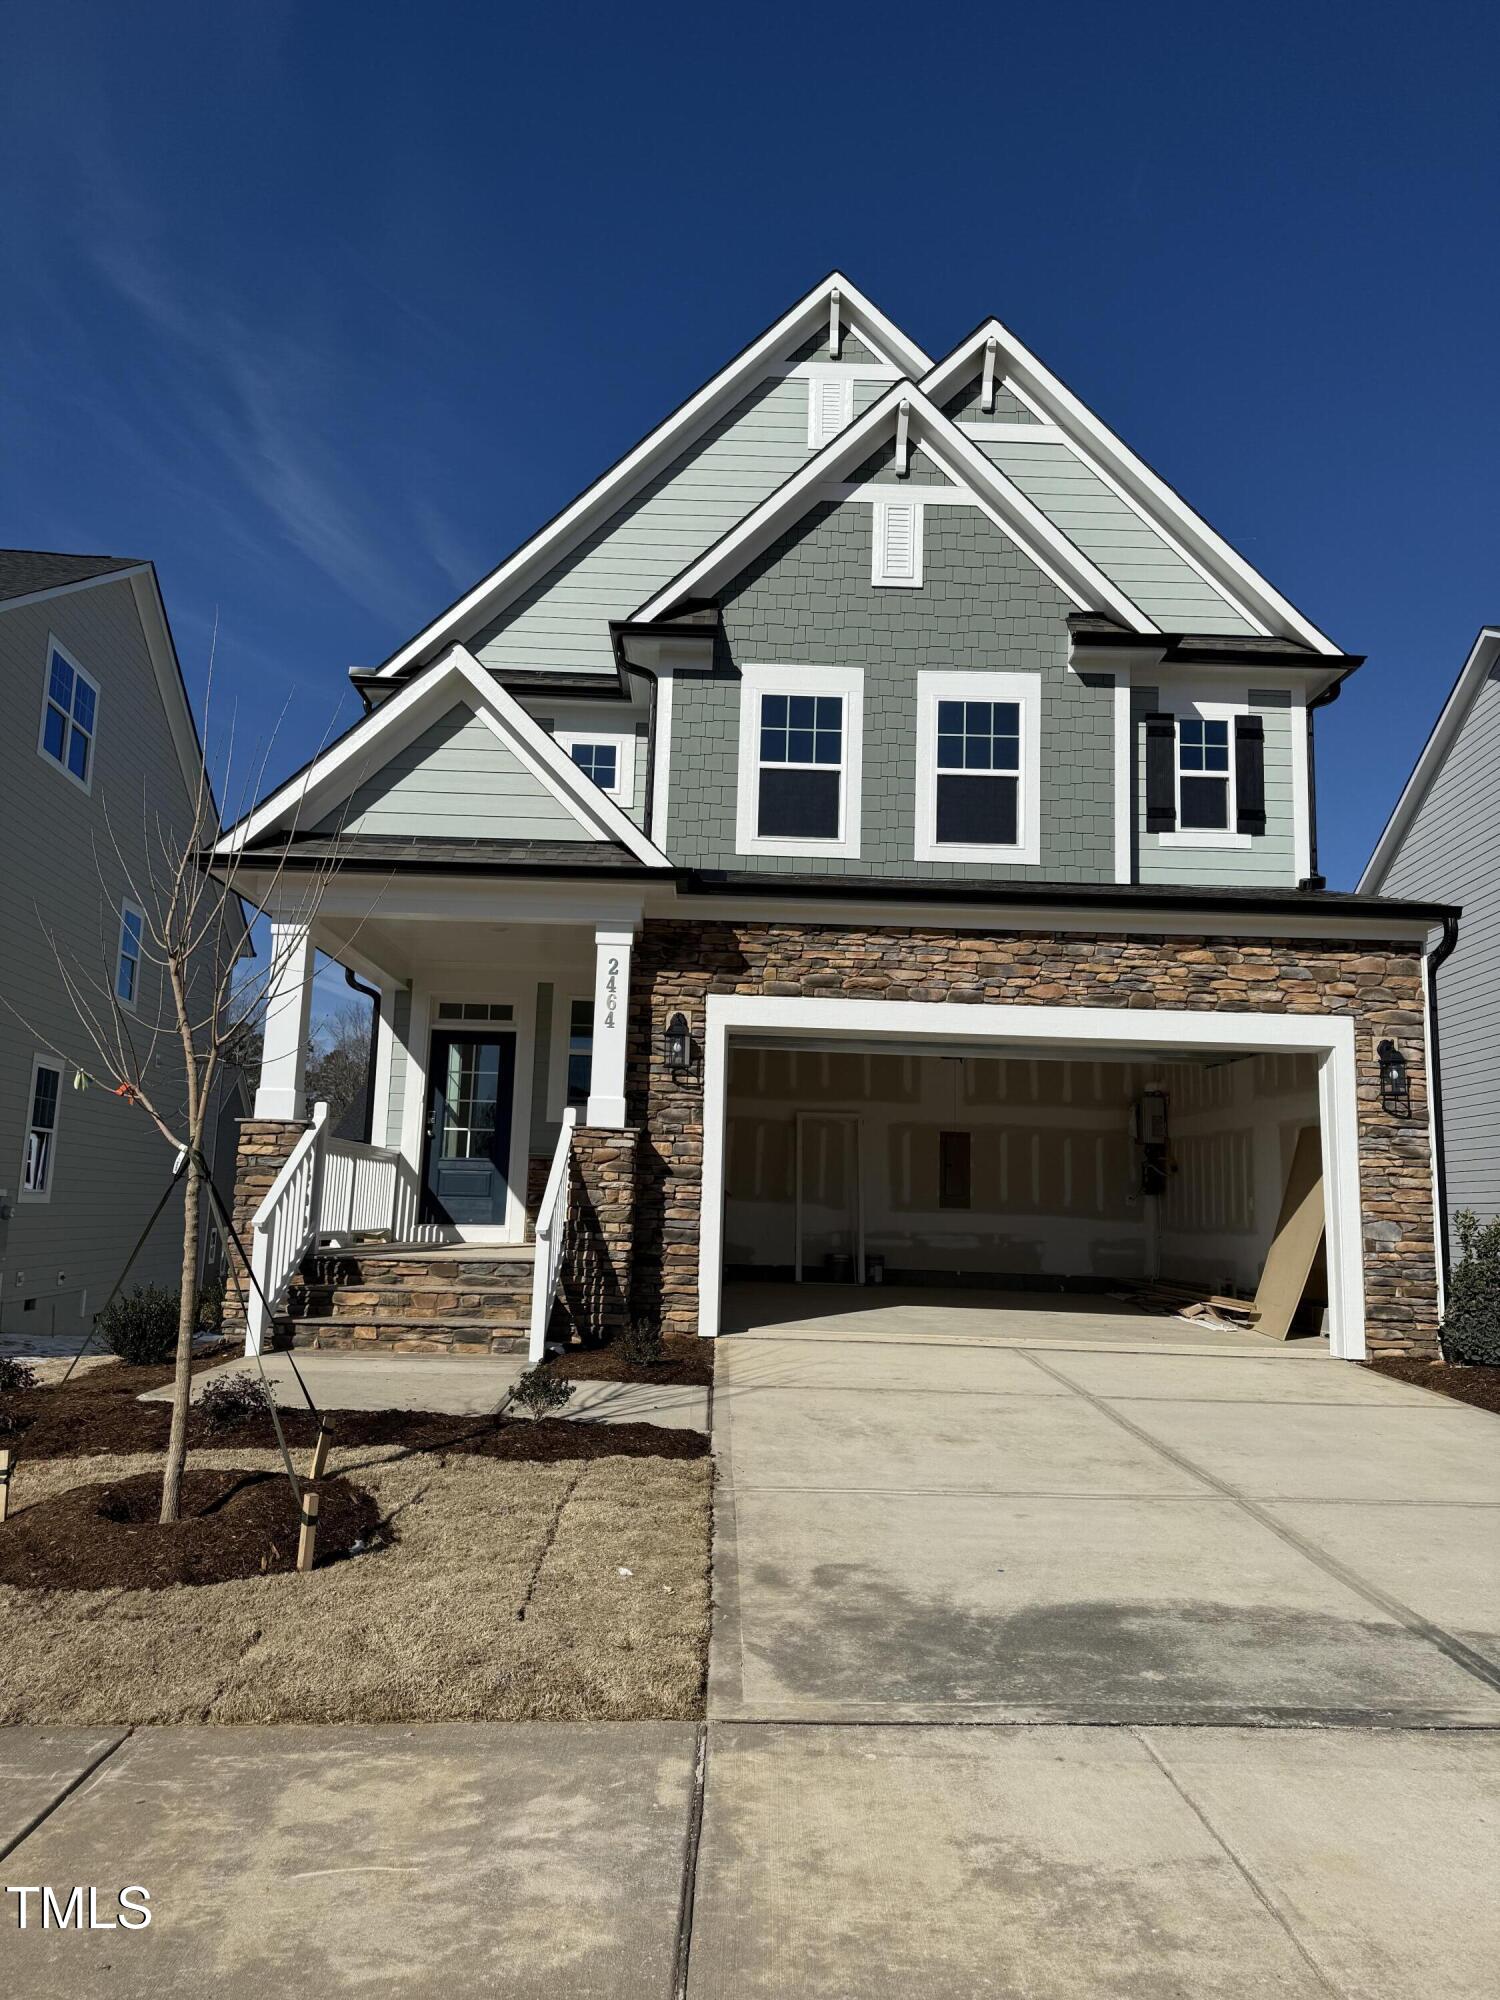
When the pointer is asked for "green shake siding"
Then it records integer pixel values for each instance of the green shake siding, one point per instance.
(809, 601)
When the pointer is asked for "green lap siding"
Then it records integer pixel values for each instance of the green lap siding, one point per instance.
(967, 407)
(455, 781)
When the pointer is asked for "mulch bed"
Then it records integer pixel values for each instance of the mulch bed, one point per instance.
(107, 1536)
(98, 1413)
(687, 1362)
(1480, 1386)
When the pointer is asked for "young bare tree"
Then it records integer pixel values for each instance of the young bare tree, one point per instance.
(193, 936)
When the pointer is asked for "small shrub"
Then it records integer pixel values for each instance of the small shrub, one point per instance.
(15, 1374)
(539, 1393)
(231, 1400)
(211, 1306)
(1471, 1325)
(141, 1326)
(641, 1343)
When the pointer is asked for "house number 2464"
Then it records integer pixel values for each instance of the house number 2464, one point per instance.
(611, 990)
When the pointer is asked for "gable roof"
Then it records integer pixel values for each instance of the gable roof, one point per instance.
(1483, 661)
(657, 449)
(31, 572)
(998, 496)
(1050, 399)
(305, 799)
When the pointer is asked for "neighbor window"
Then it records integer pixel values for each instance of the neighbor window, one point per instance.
(977, 768)
(128, 967)
(799, 752)
(41, 1130)
(68, 717)
(580, 1052)
(1203, 774)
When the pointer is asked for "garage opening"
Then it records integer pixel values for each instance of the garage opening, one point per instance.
(1168, 1179)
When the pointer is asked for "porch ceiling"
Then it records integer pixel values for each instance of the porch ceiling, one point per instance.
(407, 948)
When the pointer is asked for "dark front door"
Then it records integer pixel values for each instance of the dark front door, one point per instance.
(471, 1086)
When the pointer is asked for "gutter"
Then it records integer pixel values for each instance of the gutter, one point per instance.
(1330, 694)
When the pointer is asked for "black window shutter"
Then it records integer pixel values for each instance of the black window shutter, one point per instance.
(1161, 773)
(1250, 772)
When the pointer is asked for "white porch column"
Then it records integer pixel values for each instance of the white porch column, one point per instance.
(283, 1063)
(606, 1105)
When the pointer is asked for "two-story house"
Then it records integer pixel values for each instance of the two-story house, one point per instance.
(867, 835)
(99, 762)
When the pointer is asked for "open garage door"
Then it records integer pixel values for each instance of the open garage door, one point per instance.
(1162, 1173)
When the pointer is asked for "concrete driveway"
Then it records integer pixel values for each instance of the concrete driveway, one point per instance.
(1073, 1518)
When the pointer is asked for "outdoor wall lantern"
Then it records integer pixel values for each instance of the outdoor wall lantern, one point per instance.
(679, 1045)
(1395, 1084)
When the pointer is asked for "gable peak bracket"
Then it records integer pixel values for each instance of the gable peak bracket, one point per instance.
(835, 329)
(987, 398)
(903, 438)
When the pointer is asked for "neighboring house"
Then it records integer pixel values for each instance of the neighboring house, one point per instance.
(100, 745)
(879, 811)
(1443, 842)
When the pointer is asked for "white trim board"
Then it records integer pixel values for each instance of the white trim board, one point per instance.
(1050, 399)
(1098, 1031)
(623, 479)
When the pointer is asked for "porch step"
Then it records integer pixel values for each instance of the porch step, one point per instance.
(439, 1269)
(377, 1300)
(399, 1335)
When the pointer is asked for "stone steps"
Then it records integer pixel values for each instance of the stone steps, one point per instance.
(400, 1335)
(413, 1299)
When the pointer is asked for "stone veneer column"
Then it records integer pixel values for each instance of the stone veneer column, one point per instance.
(265, 1145)
(599, 1248)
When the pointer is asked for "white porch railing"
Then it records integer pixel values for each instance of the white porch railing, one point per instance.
(329, 1190)
(551, 1230)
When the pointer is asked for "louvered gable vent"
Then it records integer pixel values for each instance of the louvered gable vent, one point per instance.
(898, 542)
(830, 407)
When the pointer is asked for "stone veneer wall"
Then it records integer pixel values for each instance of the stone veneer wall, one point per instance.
(678, 965)
(598, 1247)
(265, 1146)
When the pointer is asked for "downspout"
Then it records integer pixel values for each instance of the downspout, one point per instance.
(372, 995)
(1433, 961)
(1313, 880)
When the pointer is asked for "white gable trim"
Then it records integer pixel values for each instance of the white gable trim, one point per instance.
(607, 494)
(1093, 441)
(1476, 670)
(1081, 580)
(315, 791)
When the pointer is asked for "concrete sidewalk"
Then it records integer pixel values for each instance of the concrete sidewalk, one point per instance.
(548, 1861)
(526, 1859)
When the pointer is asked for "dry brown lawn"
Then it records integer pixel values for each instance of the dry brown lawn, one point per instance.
(502, 1598)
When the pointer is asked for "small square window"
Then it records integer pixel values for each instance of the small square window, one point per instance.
(599, 761)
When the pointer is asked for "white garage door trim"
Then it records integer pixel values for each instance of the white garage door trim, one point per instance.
(1102, 1030)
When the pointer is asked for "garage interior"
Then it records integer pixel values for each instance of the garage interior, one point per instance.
(1169, 1179)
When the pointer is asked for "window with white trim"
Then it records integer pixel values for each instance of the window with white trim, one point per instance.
(830, 407)
(70, 708)
(897, 544)
(40, 1154)
(801, 731)
(605, 756)
(1205, 774)
(128, 961)
(977, 767)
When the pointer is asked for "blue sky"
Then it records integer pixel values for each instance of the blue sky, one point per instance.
(324, 308)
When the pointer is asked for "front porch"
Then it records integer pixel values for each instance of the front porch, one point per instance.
(491, 1199)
